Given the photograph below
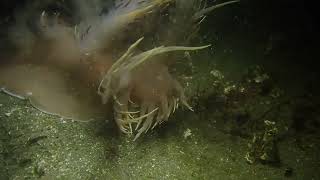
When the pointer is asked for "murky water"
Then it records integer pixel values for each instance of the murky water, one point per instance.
(244, 108)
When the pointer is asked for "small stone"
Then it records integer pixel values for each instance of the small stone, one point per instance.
(187, 133)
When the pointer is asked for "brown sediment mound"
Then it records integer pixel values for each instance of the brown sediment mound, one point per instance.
(66, 69)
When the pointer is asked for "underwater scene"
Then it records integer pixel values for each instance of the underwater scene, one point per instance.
(159, 89)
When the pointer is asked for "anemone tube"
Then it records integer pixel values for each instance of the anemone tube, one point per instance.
(132, 117)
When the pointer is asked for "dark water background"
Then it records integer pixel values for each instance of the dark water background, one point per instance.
(282, 36)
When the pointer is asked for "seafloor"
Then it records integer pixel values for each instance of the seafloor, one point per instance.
(238, 131)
